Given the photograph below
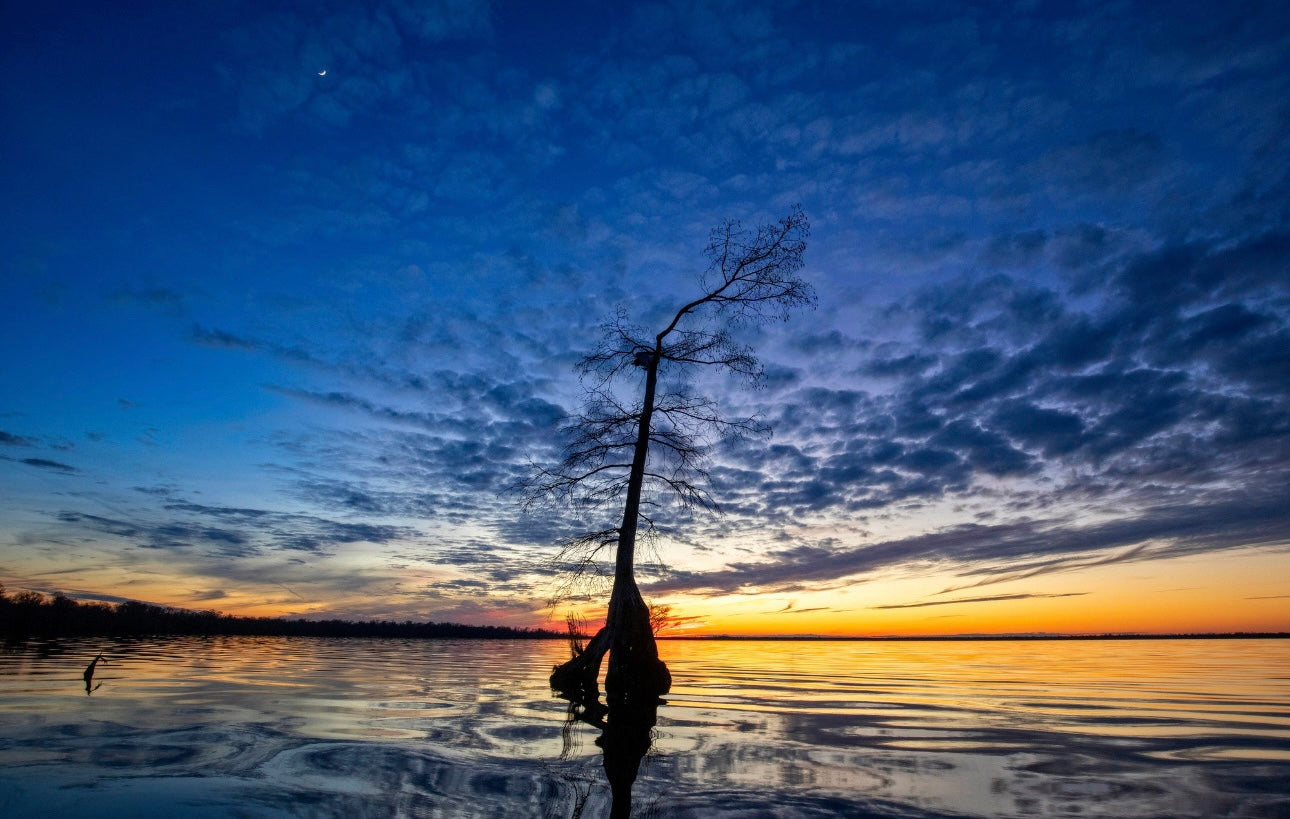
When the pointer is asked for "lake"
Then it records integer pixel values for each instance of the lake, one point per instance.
(265, 727)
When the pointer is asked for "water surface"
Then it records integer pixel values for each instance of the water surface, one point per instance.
(224, 727)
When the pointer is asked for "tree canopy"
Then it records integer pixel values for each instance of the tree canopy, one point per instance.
(648, 445)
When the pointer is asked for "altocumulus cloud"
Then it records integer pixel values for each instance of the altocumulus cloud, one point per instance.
(1053, 326)
(235, 532)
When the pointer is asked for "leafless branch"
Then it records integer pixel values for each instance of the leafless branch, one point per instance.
(752, 276)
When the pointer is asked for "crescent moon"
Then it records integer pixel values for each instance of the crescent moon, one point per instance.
(322, 73)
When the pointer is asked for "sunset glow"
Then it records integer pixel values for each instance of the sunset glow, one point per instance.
(291, 299)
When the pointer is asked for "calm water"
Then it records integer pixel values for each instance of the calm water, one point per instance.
(255, 727)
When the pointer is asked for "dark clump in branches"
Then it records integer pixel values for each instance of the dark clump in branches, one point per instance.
(643, 450)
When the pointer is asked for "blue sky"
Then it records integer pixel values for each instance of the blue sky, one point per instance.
(292, 295)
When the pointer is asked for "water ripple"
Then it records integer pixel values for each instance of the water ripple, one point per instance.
(226, 727)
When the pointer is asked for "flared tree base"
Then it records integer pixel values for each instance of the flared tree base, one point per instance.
(635, 683)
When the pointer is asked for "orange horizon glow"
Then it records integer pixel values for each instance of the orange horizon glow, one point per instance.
(1260, 617)
(1241, 591)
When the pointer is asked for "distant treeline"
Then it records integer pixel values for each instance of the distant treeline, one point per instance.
(31, 614)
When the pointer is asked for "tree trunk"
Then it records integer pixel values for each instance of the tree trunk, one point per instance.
(634, 667)
(636, 678)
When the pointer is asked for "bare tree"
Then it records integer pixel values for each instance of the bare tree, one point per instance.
(639, 454)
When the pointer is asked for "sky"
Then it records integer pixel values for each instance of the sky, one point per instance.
(291, 297)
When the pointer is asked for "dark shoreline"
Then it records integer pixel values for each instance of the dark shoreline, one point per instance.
(30, 614)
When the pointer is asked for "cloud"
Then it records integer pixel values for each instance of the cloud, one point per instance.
(162, 299)
(1144, 374)
(45, 463)
(235, 532)
(1115, 161)
(1009, 380)
(996, 598)
(790, 609)
(1051, 332)
(1017, 549)
(1053, 432)
(221, 339)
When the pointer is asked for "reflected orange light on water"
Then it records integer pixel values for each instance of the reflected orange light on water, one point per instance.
(1133, 681)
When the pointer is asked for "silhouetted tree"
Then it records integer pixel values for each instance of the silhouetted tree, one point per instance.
(639, 453)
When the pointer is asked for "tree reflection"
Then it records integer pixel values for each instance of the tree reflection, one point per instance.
(626, 721)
